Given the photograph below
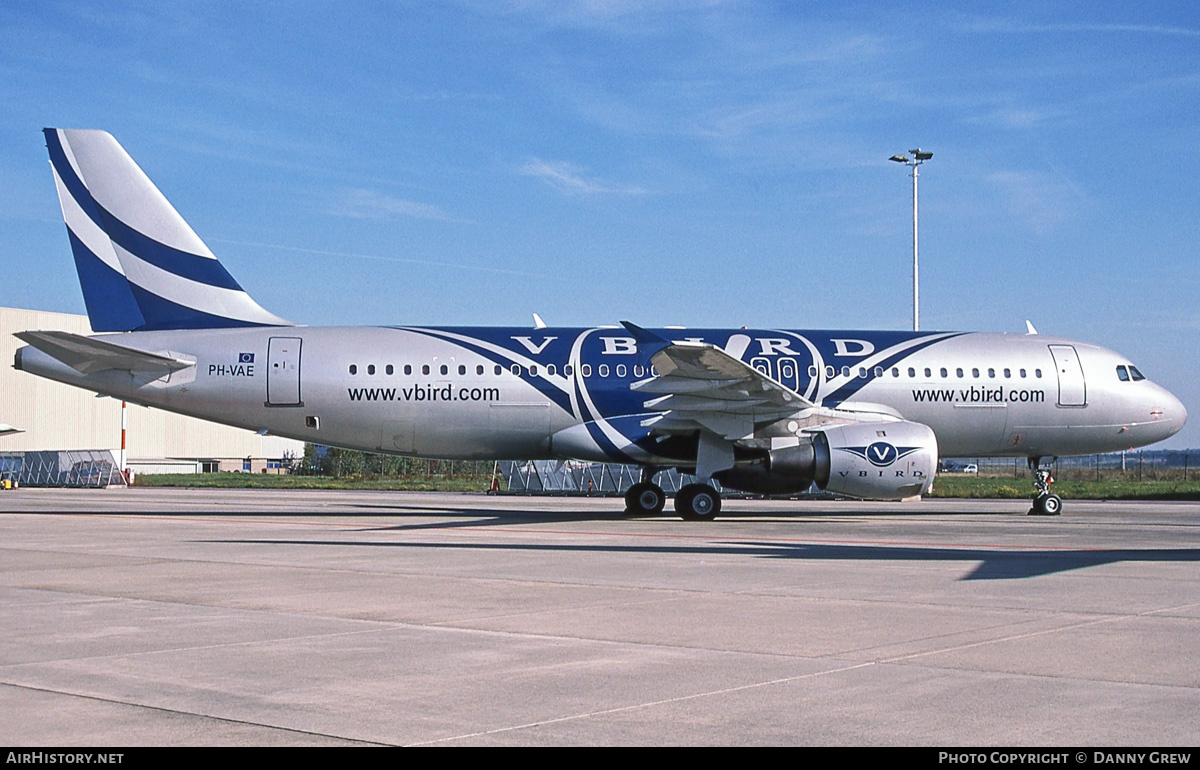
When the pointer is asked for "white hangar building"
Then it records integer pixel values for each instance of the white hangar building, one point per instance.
(53, 416)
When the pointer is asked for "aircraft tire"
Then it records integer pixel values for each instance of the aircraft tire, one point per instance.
(645, 499)
(1046, 505)
(698, 502)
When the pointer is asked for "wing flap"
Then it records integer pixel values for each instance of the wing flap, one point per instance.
(88, 356)
(698, 380)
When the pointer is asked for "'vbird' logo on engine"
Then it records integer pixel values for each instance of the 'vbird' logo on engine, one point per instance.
(880, 454)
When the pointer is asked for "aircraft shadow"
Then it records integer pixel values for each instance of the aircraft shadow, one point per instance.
(993, 563)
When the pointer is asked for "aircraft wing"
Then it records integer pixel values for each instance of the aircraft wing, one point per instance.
(702, 386)
(87, 356)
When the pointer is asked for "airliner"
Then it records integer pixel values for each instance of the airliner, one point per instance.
(766, 411)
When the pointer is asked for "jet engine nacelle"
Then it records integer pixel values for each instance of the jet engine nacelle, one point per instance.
(872, 460)
(876, 460)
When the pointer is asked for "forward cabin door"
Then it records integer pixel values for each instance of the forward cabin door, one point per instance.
(1072, 391)
(283, 372)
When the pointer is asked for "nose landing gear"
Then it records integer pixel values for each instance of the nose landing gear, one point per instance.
(1045, 502)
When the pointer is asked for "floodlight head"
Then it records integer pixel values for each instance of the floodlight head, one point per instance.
(920, 154)
(901, 158)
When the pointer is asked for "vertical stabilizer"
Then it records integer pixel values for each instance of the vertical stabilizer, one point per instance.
(140, 265)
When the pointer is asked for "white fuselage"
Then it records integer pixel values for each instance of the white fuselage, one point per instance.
(473, 393)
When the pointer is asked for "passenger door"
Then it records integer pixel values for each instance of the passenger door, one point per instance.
(1072, 390)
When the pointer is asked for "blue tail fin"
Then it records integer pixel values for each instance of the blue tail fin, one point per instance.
(140, 265)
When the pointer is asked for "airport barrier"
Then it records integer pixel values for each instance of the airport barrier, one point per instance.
(534, 477)
(552, 477)
(1136, 465)
(94, 468)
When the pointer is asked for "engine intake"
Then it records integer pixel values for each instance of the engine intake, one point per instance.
(871, 460)
(876, 461)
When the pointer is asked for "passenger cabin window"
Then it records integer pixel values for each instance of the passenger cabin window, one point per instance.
(895, 371)
(462, 369)
(550, 369)
(830, 372)
(944, 372)
(928, 372)
(845, 371)
(1007, 373)
(516, 369)
(958, 372)
(425, 369)
(497, 370)
(533, 370)
(1037, 373)
(992, 373)
(391, 369)
(568, 370)
(408, 368)
(812, 371)
(912, 372)
(586, 369)
(479, 370)
(975, 373)
(444, 369)
(354, 368)
(602, 370)
(1022, 374)
(621, 370)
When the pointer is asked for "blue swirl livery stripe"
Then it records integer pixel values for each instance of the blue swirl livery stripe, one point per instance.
(850, 388)
(556, 395)
(164, 314)
(111, 306)
(193, 267)
(596, 431)
(66, 172)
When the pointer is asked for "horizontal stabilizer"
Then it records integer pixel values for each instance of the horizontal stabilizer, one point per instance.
(87, 355)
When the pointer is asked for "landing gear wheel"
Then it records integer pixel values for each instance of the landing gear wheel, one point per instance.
(1045, 502)
(645, 499)
(698, 502)
(1046, 505)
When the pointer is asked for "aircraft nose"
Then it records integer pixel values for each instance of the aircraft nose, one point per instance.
(1172, 414)
(1181, 410)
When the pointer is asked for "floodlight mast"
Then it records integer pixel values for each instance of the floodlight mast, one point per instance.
(919, 156)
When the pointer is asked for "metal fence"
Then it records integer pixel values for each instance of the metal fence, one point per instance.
(550, 477)
(575, 478)
(83, 468)
(1154, 465)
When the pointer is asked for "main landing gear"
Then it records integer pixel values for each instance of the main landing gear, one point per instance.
(1045, 502)
(645, 499)
(698, 502)
(695, 502)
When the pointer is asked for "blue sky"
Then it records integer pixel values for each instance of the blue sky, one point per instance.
(697, 163)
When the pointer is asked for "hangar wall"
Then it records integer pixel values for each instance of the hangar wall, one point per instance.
(57, 416)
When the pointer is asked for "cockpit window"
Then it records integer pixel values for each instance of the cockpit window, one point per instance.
(1122, 374)
(1135, 374)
